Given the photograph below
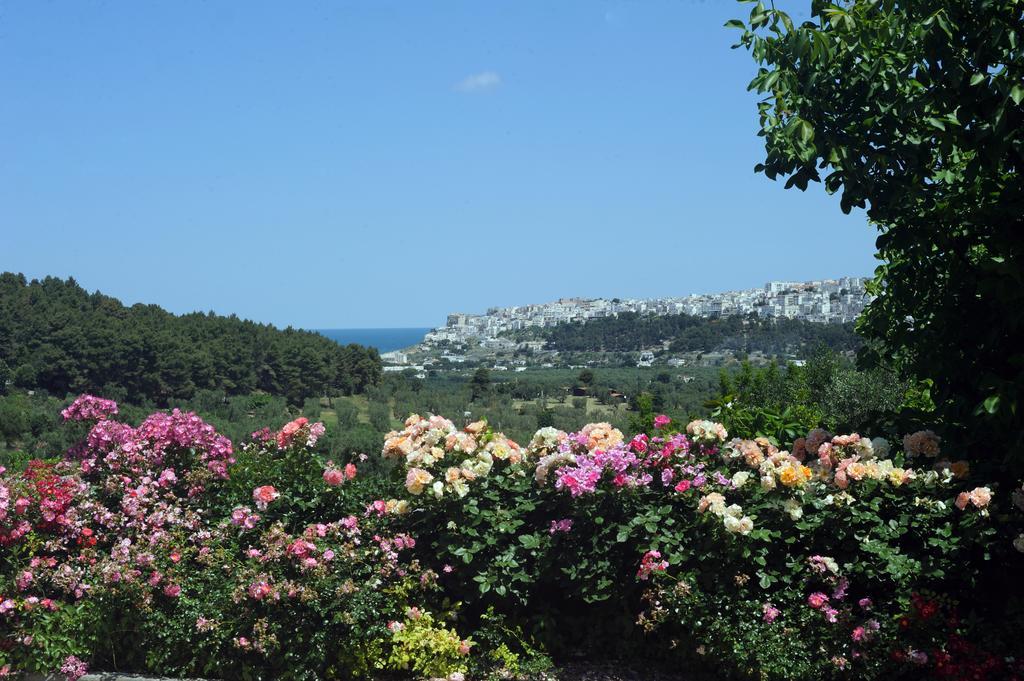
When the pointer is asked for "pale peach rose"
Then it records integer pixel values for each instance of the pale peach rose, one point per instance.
(752, 454)
(476, 427)
(416, 479)
(842, 482)
(714, 501)
(601, 435)
(856, 470)
(846, 440)
(980, 496)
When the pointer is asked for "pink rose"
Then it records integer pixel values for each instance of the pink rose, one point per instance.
(264, 495)
(284, 438)
(259, 590)
(334, 477)
(660, 421)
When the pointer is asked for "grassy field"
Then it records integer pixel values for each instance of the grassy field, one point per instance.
(329, 415)
(593, 405)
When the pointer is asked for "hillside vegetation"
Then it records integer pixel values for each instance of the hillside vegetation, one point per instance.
(630, 332)
(58, 337)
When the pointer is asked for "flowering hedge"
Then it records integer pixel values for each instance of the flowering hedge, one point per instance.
(163, 547)
(139, 550)
(838, 558)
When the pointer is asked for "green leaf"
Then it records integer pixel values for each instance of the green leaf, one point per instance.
(529, 541)
(805, 131)
(1017, 94)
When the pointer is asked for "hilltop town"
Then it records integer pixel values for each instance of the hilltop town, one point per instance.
(825, 301)
(498, 329)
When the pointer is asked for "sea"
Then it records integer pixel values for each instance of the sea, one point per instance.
(385, 340)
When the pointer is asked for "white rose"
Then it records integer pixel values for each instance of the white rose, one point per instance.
(734, 510)
(740, 479)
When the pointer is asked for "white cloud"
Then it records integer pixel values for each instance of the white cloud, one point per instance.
(479, 82)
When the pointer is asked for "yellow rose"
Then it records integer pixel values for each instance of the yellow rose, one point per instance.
(790, 476)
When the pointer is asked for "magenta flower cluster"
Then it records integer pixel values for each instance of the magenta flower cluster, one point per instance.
(89, 408)
(119, 447)
(676, 462)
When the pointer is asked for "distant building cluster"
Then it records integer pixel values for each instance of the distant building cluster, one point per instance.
(828, 300)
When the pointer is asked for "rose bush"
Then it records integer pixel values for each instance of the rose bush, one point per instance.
(165, 548)
(141, 550)
(765, 563)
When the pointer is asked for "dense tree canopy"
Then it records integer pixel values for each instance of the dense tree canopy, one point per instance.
(57, 337)
(914, 110)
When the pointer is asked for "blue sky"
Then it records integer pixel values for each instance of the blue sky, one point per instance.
(383, 163)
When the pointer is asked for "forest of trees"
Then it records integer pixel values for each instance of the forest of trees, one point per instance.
(630, 332)
(58, 337)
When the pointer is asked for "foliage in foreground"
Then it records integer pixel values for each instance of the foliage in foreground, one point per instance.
(914, 110)
(163, 548)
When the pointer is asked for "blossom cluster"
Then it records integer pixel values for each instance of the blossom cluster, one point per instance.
(89, 408)
(597, 450)
(440, 459)
(650, 563)
(773, 466)
(707, 431)
(159, 443)
(598, 454)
